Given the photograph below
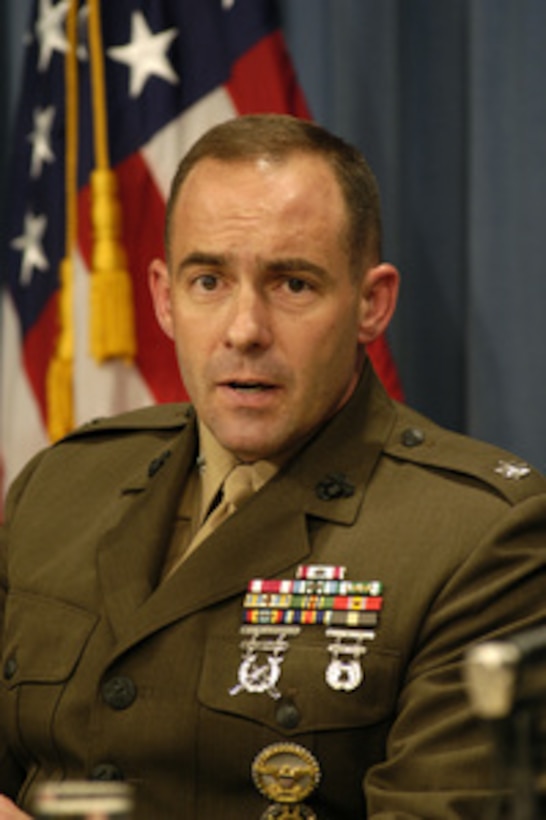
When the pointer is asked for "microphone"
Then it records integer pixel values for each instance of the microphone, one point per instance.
(501, 679)
(492, 670)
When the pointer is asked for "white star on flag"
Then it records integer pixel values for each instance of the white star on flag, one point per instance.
(30, 243)
(145, 54)
(40, 137)
(49, 31)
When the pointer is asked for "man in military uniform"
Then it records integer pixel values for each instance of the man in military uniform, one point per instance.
(294, 649)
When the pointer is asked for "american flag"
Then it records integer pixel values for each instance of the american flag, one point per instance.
(172, 68)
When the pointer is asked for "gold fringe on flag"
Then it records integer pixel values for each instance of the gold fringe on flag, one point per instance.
(60, 374)
(112, 324)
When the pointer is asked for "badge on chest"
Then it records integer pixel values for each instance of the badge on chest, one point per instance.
(287, 774)
(275, 611)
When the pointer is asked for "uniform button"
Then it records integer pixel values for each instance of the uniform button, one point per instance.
(10, 668)
(287, 715)
(413, 437)
(106, 771)
(119, 692)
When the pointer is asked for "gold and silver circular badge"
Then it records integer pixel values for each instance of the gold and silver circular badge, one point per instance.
(286, 773)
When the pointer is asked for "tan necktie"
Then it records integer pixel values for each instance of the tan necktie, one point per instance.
(239, 484)
(241, 481)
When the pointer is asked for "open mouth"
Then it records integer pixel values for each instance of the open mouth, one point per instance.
(250, 387)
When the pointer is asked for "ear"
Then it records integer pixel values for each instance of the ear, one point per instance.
(159, 281)
(378, 297)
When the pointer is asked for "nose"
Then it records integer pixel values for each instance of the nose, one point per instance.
(249, 322)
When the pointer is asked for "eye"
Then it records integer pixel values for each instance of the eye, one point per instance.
(296, 285)
(207, 281)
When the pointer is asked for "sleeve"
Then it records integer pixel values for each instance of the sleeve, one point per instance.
(439, 755)
(12, 772)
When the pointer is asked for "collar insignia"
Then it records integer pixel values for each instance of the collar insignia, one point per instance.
(512, 470)
(334, 485)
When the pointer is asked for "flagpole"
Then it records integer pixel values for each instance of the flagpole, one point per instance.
(60, 375)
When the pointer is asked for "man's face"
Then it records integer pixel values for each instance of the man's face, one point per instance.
(259, 299)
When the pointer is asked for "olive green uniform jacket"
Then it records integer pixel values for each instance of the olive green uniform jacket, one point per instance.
(107, 673)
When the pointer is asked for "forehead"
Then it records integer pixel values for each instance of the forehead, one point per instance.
(262, 182)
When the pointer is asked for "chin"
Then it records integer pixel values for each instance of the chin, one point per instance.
(246, 450)
(247, 453)
(243, 443)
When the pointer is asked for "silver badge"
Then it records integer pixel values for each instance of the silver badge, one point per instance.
(513, 470)
(344, 672)
(258, 674)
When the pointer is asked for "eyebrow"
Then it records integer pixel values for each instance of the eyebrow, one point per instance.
(212, 260)
(289, 265)
(294, 265)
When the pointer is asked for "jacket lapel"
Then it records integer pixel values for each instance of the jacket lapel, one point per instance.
(131, 552)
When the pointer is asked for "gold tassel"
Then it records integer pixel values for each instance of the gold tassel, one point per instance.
(112, 325)
(112, 313)
(60, 373)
